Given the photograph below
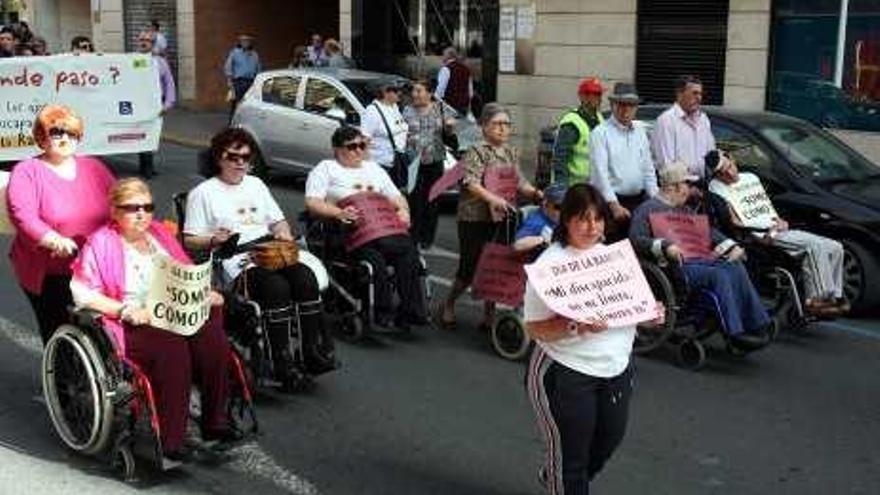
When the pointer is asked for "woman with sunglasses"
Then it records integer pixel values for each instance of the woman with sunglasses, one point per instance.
(112, 276)
(49, 230)
(330, 182)
(484, 213)
(385, 126)
(231, 202)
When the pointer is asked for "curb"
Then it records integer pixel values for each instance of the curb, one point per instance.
(186, 141)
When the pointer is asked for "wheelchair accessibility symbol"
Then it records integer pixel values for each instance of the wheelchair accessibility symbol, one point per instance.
(125, 108)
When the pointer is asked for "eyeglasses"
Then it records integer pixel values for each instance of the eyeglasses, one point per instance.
(500, 123)
(136, 207)
(85, 46)
(355, 145)
(58, 133)
(237, 157)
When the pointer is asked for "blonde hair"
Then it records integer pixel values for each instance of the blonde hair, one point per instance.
(126, 188)
(59, 117)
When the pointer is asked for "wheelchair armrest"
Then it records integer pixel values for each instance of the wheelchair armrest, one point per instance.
(85, 317)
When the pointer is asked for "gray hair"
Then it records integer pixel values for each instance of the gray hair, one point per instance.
(490, 110)
(450, 52)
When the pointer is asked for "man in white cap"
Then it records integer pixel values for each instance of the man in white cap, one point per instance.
(744, 204)
(620, 156)
(744, 317)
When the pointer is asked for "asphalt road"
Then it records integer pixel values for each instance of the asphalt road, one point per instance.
(439, 413)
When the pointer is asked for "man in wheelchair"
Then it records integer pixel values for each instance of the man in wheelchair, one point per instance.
(744, 207)
(537, 228)
(718, 269)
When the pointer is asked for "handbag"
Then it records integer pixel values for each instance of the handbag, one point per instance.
(275, 254)
(401, 161)
(450, 138)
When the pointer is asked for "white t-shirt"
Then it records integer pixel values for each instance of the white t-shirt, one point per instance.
(601, 354)
(372, 125)
(247, 209)
(333, 182)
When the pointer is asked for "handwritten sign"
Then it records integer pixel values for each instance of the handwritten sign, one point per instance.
(116, 95)
(499, 275)
(749, 200)
(606, 283)
(446, 181)
(689, 231)
(6, 227)
(377, 217)
(178, 298)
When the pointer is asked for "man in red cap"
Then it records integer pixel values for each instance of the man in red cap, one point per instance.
(571, 151)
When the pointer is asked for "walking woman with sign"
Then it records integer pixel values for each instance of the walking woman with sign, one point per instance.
(41, 196)
(112, 275)
(492, 180)
(579, 378)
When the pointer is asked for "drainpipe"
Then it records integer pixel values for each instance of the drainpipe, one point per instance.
(841, 43)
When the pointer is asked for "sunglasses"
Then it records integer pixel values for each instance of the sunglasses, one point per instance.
(58, 133)
(136, 207)
(85, 46)
(355, 145)
(237, 157)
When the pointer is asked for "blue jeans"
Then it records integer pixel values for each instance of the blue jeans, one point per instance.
(741, 307)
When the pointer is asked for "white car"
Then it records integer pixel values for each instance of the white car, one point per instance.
(292, 114)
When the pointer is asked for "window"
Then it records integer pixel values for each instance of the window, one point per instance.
(743, 148)
(325, 98)
(281, 91)
(442, 25)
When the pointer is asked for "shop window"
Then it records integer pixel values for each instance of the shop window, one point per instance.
(803, 67)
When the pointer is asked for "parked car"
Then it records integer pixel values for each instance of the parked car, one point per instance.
(817, 183)
(821, 102)
(292, 113)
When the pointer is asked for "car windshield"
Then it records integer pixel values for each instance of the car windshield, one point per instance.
(816, 155)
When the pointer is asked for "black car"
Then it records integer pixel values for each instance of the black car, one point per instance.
(817, 183)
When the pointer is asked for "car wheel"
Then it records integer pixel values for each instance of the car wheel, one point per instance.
(859, 270)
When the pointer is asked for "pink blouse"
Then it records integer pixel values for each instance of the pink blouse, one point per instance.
(39, 200)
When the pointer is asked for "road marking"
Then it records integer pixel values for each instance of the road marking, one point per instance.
(439, 252)
(248, 458)
(846, 327)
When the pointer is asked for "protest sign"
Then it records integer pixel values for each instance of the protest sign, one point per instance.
(446, 181)
(6, 226)
(117, 96)
(499, 275)
(178, 297)
(377, 217)
(606, 283)
(504, 182)
(689, 232)
(749, 200)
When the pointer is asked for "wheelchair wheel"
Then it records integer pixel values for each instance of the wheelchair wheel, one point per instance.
(123, 460)
(75, 386)
(509, 337)
(690, 354)
(650, 338)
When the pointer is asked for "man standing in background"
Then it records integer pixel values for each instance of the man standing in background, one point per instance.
(160, 42)
(683, 132)
(317, 54)
(169, 96)
(241, 67)
(454, 83)
(571, 150)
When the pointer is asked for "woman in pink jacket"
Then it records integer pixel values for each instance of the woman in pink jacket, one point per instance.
(55, 200)
(112, 275)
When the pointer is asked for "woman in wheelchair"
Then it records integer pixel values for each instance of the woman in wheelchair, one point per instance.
(349, 173)
(112, 276)
(744, 318)
(822, 263)
(233, 202)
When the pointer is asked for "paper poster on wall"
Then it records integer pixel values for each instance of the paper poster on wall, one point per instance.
(507, 23)
(507, 55)
(525, 21)
(178, 300)
(116, 95)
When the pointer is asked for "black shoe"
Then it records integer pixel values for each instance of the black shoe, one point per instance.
(223, 438)
(295, 382)
(383, 322)
(318, 365)
(749, 341)
(176, 458)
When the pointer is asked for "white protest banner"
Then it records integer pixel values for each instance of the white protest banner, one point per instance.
(178, 299)
(116, 95)
(749, 200)
(605, 283)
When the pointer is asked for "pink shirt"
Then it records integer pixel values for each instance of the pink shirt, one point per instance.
(39, 200)
(687, 138)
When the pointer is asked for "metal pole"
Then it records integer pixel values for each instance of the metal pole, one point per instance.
(841, 43)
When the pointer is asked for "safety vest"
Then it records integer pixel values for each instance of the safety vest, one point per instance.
(579, 162)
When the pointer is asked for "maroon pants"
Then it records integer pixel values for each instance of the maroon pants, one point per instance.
(172, 362)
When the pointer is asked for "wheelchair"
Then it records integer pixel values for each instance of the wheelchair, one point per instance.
(351, 296)
(102, 404)
(246, 321)
(693, 315)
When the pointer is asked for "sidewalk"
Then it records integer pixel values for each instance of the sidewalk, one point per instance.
(192, 128)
